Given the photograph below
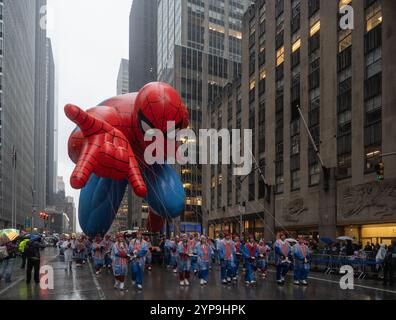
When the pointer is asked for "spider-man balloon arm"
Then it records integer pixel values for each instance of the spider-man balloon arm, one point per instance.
(105, 152)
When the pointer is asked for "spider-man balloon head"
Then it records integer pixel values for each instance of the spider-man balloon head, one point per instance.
(156, 105)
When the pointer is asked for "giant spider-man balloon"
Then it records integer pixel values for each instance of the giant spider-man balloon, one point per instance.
(108, 149)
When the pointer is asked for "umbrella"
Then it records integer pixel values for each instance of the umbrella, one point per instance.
(327, 240)
(345, 238)
(10, 234)
(290, 240)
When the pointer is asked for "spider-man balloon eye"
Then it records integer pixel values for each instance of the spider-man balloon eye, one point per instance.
(146, 127)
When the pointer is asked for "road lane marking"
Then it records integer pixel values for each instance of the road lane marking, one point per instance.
(96, 282)
(355, 285)
(337, 282)
(12, 285)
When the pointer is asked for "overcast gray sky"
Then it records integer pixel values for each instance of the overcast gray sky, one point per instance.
(89, 38)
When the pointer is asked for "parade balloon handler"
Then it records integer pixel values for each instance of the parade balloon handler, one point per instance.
(184, 261)
(108, 148)
(192, 242)
(120, 259)
(79, 252)
(302, 257)
(108, 243)
(7, 259)
(138, 249)
(98, 254)
(149, 256)
(250, 253)
(227, 257)
(283, 258)
(239, 256)
(88, 249)
(167, 253)
(262, 261)
(68, 249)
(173, 253)
(204, 254)
(212, 245)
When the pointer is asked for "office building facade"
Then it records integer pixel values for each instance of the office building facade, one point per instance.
(51, 127)
(40, 111)
(18, 61)
(142, 70)
(297, 56)
(199, 52)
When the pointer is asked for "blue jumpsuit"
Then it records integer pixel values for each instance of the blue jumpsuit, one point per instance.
(138, 249)
(301, 256)
(204, 252)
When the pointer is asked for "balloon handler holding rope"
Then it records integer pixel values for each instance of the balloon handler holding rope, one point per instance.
(108, 148)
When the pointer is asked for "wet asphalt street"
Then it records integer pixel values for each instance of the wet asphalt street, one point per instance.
(161, 284)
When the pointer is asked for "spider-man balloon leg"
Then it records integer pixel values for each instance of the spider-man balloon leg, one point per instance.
(99, 203)
(100, 199)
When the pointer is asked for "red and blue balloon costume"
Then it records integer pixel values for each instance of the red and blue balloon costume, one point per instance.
(108, 149)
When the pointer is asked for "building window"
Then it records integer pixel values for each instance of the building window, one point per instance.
(314, 174)
(373, 16)
(295, 180)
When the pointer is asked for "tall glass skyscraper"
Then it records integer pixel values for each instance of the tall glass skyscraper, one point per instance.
(199, 51)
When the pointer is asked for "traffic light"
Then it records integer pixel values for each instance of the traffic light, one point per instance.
(44, 216)
(380, 169)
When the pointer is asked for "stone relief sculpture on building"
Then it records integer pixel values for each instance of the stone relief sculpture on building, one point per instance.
(293, 210)
(377, 198)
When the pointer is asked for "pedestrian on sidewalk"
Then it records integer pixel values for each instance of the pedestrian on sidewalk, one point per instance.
(68, 249)
(32, 251)
(7, 263)
(21, 249)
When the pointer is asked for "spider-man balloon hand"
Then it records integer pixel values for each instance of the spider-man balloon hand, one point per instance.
(105, 152)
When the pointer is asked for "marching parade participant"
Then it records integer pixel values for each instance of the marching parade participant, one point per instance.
(68, 249)
(238, 249)
(98, 253)
(204, 252)
(138, 249)
(108, 243)
(250, 253)
(227, 257)
(79, 252)
(282, 258)
(173, 253)
(262, 261)
(184, 260)
(149, 256)
(167, 254)
(119, 257)
(192, 242)
(301, 255)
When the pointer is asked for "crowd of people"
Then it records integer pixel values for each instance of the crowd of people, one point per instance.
(188, 255)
